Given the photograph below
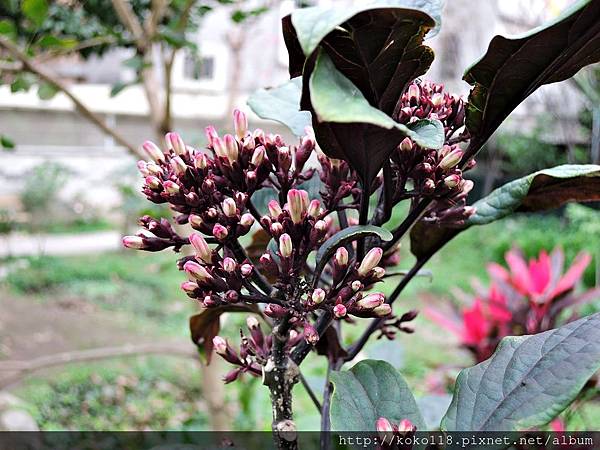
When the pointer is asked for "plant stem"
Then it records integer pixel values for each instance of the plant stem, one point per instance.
(327, 391)
(257, 277)
(279, 375)
(363, 218)
(310, 392)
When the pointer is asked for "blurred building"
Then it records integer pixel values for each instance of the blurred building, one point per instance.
(202, 90)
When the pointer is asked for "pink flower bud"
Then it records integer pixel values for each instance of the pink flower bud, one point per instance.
(246, 270)
(178, 166)
(294, 198)
(220, 232)
(437, 99)
(189, 287)
(467, 186)
(383, 310)
(414, 92)
(258, 156)
(208, 301)
(285, 245)
(153, 151)
(429, 185)
(219, 147)
(383, 426)
(134, 242)
(229, 265)
(141, 165)
(452, 181)
(202, 249)
(265, 259)
(274, 209)
(229, 207)
(153, 169)
(252, 322)
(406, 145)
(356, 286)
(318, 296)
(451, 159)
(240, 123)
(212, 213)
(275, 311)
(370, 261)
(320, 226)
(231, 148)
(175, 142)
(379, 272)
(152, 182)
(200, 161)
(341, 257)
(247, 220)
(406, 425)
(371, 301)
(339, 310)
(314, 208)
(284, 158)
(276, 229)
(171, 187)
(211, 135)
(195, 221)
(220, 345)
(196, 271)
(310, 334)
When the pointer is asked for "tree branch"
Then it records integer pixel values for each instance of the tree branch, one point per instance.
(51, 79)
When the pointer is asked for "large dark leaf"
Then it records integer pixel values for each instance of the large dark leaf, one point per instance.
(206, 325)
(282, 104)
(546, 189)
(378, 47)
(370, 390)
(528, 381)
(348, 127)
(512, 69)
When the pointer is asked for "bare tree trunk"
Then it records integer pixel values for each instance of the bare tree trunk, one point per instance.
(213, 390)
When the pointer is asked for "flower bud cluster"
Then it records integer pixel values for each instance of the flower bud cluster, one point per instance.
(155, 235)
(388, 431)
(339, 181)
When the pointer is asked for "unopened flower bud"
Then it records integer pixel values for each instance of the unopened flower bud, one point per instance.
(451, 159)
(153, 151)
(275, 311)
(371, 301)
(310, 334)
(284, 158)
(247, 220)
(452, 181)
(405, 425)
(356, 286)
(195, 221)
(189, 287)
(229, 265)
(229, 207)
(220, 345)
(212, 213)
(208, 301)
(339, 310)
(142, 167)
(414, 92)
(429, 185)
(276, 229)
(231, 148)
(196, 271)
(240, 123)
(274, 209)
(202, 249)
(437, 99)
(134, 242)
(153, 169)
(295, 204)
(246, 270)
(321, 226)
(314, 208)
(152, 182)
(383, 310)
(252, 322)
(175, 142)
(219, 147)
(258, 156)
(370, 261)
(220, 232)
(384, 428)
(379, 272)
(171, 187)
(341, 257)
(179, 167)
(467, 186)
(211, 134)
(318, 296)
(200, 161)
(285, 245)
(406, 145)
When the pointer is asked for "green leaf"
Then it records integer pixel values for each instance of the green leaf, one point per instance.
(512, 69)
(546, 189)
(282, 104)
(345, 236)
(348, 127)
(7, 28)
(120, 86)
(49, 41)
(35, 10)
(6, 143)
(528, 381)
(370, 390)
(46, 91)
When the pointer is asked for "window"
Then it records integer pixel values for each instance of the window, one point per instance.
(203, 70)
(195, 68)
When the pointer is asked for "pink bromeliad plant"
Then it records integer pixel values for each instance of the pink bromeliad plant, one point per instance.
(528, 297)
(370, 136)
